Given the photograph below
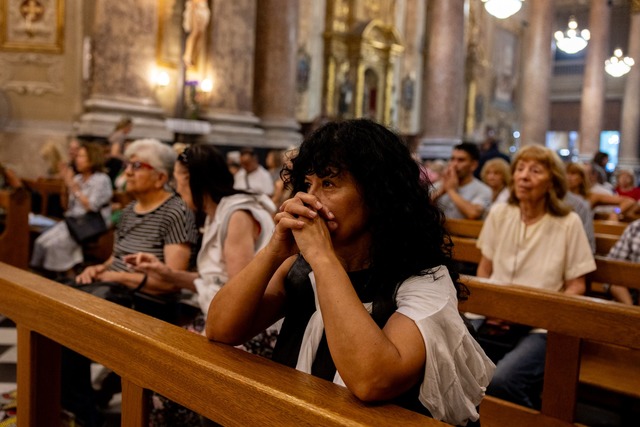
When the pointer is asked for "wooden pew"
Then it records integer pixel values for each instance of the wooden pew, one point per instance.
(46, 188)
(224, 384)
(601, 226)
(604, 242)
(604, 366)
(464, 227)
(571, 321)
(14, 239)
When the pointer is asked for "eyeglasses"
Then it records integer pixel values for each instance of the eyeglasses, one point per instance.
(137, 165)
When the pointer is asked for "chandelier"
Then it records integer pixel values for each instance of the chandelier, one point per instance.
(617, 65)
(572, 41)
(502, 9)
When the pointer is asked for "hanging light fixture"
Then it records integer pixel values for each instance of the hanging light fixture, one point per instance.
(502, 9)
(573, 40)
(618, 65)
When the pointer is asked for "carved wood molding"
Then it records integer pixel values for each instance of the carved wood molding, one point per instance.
(50, 69)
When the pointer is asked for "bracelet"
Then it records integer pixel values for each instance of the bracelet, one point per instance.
(141, 285)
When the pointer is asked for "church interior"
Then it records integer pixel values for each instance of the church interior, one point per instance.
(261, 73)
(264, 73)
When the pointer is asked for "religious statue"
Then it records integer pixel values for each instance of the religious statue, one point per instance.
(195, 20)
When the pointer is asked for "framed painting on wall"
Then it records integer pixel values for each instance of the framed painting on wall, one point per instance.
(32, 25)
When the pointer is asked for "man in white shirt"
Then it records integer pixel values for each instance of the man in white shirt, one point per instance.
(459, 193)
(252, 176)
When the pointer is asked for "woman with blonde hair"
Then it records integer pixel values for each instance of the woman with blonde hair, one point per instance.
(534, 240)
(496, 173)
(579, 184)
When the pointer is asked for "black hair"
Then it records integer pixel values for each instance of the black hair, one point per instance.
(407, 228)
(469, 148)
(208, 174)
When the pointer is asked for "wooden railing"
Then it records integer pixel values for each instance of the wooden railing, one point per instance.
(574, 325)
(222, 383)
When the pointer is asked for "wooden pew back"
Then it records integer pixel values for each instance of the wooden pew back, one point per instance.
(47, 187)
(570, 321)
(601, 226)
(464, 227)
(14, 240)
(220, 382)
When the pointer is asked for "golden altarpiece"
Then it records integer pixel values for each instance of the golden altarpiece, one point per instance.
(362, 48)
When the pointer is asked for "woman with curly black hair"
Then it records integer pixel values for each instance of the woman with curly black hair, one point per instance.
(360, 268)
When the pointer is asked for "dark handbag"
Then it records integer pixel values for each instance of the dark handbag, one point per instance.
(87, 227)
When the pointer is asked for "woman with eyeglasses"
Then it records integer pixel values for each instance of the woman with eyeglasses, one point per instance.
(157, 222)
(55, 252)
(236, 226)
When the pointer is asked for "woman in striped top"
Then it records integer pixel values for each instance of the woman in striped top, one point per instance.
(156, 222)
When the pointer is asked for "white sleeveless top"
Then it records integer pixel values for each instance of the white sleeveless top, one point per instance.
(212, 267)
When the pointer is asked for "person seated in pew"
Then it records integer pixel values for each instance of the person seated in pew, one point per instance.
(627, 248)
(360, 268)
(55, 252)
(237, 224)
(579, 183)
(459, 194)
(626, 184)
(496, 173)
(533, 240)
(157, 222)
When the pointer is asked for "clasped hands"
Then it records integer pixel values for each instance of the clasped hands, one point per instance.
(303, 224)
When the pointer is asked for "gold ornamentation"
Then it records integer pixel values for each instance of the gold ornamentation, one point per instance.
(32, 25)
(634, 5)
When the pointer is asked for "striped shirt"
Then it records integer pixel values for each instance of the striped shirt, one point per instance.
(168, 224)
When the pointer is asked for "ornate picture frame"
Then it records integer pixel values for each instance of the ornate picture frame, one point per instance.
(32, 25)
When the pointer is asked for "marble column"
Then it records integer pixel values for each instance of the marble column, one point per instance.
(443, 82)
(230, 66)
(536, 73)
(275, 86)
(630, 126)
(123, 58)
(593, 88)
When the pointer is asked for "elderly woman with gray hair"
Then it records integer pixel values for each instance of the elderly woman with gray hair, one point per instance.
(157, 221)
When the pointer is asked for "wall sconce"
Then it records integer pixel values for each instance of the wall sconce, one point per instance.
(160, 79)
(206, 86)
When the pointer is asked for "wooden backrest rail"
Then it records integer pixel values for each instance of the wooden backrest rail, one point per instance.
(222, 383)
(601, 226)
(623, 273)
(14, 240)
(464, 227)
